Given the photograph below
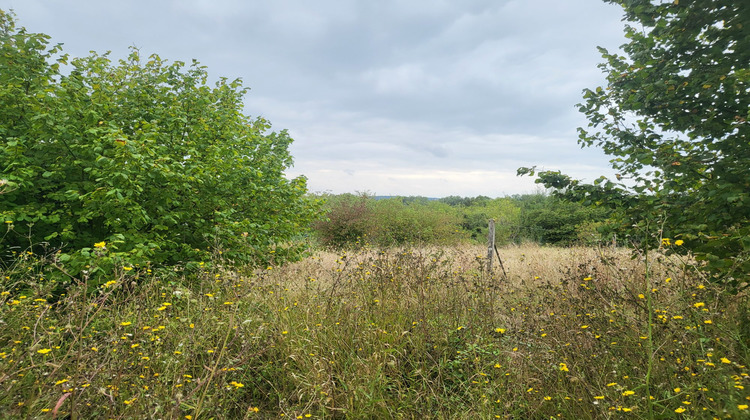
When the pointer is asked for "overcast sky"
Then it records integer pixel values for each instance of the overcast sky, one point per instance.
(407, 97)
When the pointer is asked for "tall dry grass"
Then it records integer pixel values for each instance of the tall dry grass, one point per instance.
(399, 333)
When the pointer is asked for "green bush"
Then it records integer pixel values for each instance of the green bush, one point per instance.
(504, 211)
(415, 223)
(349, 220)
(141, 157)
(353, 221)
(549, 220)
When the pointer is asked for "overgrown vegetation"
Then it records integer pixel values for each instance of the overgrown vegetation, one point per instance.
(354, 220)
(571, 333)
(130, 284)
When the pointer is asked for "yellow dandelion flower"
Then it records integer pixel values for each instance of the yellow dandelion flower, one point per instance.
(563, 367)
(500, 330)
(680, 410)
(127, 268)
(679, 242)
(725, 360)
(627, 393)
(101, 244)
(44, 351)
(125, 324)
(666, 241)
(742, 407)
(699, 305)
(599, 397)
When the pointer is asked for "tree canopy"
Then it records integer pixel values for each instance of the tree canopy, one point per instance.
(140, 156)
(674, 117)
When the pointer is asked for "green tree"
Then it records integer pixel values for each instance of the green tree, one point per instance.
(550, 220)
(142, 155)
(674, 117)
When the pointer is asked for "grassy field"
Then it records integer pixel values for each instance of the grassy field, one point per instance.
(408, 333)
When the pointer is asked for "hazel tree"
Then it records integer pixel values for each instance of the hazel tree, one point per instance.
(141, 156)
(674, 117)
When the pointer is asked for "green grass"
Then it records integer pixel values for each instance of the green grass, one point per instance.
(380, 334)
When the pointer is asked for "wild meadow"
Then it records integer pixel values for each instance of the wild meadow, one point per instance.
(157, 263)
(424, 332)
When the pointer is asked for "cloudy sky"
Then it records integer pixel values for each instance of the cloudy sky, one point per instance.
(391, 97)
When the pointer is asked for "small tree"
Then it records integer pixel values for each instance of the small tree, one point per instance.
(142, 156)
(674, 116)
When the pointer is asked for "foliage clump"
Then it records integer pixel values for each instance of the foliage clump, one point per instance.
(141, 157)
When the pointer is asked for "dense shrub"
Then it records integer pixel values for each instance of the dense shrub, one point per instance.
(356, 220)
(140, 157)
(349, 219)
(416, 223)
(549, 220)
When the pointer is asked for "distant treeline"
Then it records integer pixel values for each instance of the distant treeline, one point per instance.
(358, 219)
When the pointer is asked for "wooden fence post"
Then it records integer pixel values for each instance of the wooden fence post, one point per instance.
(490, 245)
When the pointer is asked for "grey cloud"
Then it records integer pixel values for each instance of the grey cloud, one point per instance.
(400, 94)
